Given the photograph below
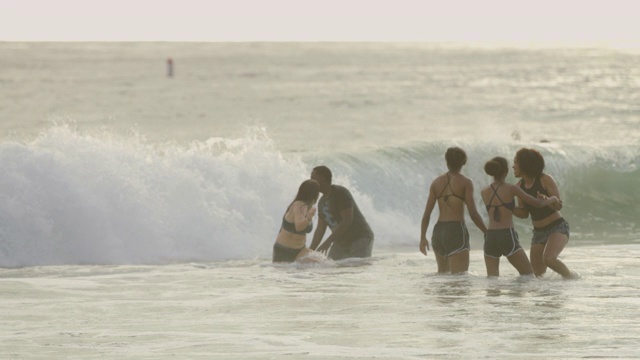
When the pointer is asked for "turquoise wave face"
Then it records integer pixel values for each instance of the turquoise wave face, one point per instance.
(597, 184)
(69, 198)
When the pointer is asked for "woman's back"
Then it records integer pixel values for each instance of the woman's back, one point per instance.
(449, 189)
(289, 235)
(499, 199)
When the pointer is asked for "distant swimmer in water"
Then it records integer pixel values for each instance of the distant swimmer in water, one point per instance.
(501, 238)
(450, 238)
(297, 222)
(550, 229)
(170, 67)
(351, 236)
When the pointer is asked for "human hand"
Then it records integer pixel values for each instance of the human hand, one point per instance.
(424, 245)
(556, 203)
(323, 248)
(311, 212)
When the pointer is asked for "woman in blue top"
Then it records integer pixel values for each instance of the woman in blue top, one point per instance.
(290, 244)
(550, 230)
(501, 238)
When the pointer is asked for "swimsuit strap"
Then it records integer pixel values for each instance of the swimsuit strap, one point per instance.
(291, 227)
(448, 185)
(495, 194)
(496, 212)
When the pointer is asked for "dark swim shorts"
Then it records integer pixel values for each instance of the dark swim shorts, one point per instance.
(285, 254)
(450, 238)
(358, 248)
(501, 242)
(541, 235)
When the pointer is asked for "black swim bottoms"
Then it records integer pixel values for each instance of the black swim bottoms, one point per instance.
(358, 248)
(450, 238)
(285, 254)
(500, 242)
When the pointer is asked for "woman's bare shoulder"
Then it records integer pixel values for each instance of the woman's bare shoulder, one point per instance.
(547, 179)
(438, 179)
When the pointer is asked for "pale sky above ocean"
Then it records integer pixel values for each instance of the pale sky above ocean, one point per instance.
(614, 22)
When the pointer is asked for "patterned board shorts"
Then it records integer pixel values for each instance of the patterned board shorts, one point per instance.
(541, 235)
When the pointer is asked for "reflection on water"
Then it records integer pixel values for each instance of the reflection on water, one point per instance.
(464, 301)
(449, 296)
(513, 288)
(451, 289)
(516, 317)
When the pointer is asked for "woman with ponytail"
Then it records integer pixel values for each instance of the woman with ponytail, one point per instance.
(452, 191)
(501, 238)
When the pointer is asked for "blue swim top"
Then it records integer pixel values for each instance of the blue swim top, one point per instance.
(496, 213)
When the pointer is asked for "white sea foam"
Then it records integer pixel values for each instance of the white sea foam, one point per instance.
(76, 198)
(157, 209)
(72, 198)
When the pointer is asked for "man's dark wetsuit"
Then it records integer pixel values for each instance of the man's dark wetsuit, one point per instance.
(357, 241)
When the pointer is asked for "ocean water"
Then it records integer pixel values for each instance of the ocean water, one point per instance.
(138, 211)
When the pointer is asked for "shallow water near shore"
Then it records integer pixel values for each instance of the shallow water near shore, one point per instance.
(138, 211)
(392, 306)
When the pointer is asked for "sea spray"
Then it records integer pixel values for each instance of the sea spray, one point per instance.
(69, 198)
(76, 198)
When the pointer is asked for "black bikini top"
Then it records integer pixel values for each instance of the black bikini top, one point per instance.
(291, 227)
(537, 213)
(446, 196)
(496, 213)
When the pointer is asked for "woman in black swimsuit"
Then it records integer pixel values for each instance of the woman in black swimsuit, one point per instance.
(450, 239)
(501, 238)
(550, 230)
(290, 244)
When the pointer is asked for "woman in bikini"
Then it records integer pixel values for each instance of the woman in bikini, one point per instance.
(290, 244)
(501, 238)
(450, 238)
(550, 229)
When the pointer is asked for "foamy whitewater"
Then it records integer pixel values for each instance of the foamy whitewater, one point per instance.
(138, 211)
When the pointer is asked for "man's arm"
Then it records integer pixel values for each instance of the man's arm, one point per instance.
(319, 233)
(340, 230)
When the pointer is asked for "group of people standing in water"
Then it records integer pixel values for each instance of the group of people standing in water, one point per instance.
(535, 195)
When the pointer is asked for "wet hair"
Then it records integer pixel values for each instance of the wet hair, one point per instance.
(530, 162)
(324, 172)
(308, 191)
(456, 158)
(497, 167)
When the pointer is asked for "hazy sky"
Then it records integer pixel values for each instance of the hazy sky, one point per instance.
(321, 20)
